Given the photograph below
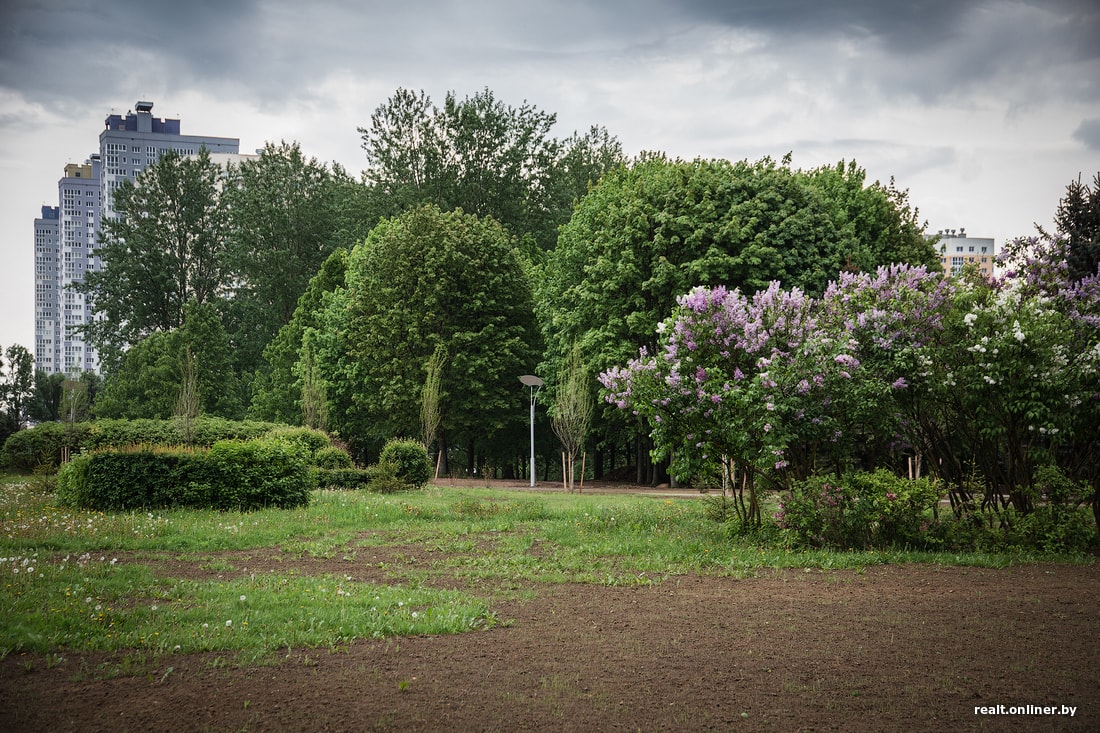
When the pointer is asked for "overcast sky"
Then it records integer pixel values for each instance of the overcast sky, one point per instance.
(983, 110)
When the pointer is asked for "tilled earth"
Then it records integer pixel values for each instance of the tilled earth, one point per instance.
(892, 648)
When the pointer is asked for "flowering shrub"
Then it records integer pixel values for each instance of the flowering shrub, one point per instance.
(966, 377)
(859, 510)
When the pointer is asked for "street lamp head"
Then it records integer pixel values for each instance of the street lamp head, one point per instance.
(531, 380)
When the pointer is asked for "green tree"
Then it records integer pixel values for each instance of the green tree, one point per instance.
(1078, 221)
(653, 231)
(149, 379)
(276, 388)
(571, 411)
(284, 211)
(16, 389)
(875, 224)
(424, 279)
(430, 415)
(165, 249)
(45, 404)
(484, 157)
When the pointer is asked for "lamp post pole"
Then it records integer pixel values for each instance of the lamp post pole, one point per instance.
(534, 384)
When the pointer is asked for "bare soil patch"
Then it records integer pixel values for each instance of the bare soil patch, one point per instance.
(894, 648)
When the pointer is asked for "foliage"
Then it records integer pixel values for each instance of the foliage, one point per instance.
(151, 374)
(572, 409)
(284, 217)
(43, 443)
(16, 389)
(278, 388)
(238, 475)
(409, 459)
(430, 416)
(309, 439)
(331, 457)
(1078, 222)
(341, 478)
(382, 478)
(485, 157)
(424, 279)
(164, 250)
(968, 377)
(648, 234)
(859, 510)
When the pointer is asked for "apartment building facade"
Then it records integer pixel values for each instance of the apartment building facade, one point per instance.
(957, 250)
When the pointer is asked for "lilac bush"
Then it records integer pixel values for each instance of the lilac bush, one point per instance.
(968, 377)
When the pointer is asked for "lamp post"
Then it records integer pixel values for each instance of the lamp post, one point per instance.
(534, 384)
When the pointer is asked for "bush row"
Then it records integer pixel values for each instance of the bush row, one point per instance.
(243, 475)
(42, 445)
(881, 510)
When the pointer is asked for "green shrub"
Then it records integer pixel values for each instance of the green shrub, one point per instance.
(309, 438)
(410, 460)
(25, 450)
(72, 482)
(242, 475)
(262, 472)
(332, 457)
(340, 478)
(860, 510)
(383, 478)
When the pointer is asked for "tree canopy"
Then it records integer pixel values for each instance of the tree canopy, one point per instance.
(151, 373)
(423, 279)
(485, 157)
(285, 213)
(651, 232)
(165, 249)
(1078, 221)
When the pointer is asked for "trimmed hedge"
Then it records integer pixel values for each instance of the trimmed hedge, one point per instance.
(28, 449)
(340, 478)
(410, 460)
(242, 475)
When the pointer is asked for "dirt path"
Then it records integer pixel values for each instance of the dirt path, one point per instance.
(896, 648)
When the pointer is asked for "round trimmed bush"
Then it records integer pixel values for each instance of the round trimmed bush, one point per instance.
(332, 457)
(410, 460)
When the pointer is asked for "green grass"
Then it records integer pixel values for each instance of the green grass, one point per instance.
(63, 588)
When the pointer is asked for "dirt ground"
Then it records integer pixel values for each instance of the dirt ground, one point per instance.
(892, 648)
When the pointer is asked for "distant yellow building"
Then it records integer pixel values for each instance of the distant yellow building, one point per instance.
(958, 250)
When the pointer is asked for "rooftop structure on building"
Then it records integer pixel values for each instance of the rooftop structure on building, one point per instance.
(66, 236)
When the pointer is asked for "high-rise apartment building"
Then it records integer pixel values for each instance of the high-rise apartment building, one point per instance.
(66, 236)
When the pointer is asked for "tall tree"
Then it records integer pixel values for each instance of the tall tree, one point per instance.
(16, 389)
(284, 211)
(1078, 221)
(423, 279)
(165, 249)
(277, 389)
(484, 157)
(45, 404)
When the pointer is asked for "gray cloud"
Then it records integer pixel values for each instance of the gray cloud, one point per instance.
(1088, 133)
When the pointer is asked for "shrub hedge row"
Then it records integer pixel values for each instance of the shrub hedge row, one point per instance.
(42, 445)
(244, 475)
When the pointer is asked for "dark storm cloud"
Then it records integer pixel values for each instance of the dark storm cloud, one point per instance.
(931, 48)
(72, 53)
(65, 53)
